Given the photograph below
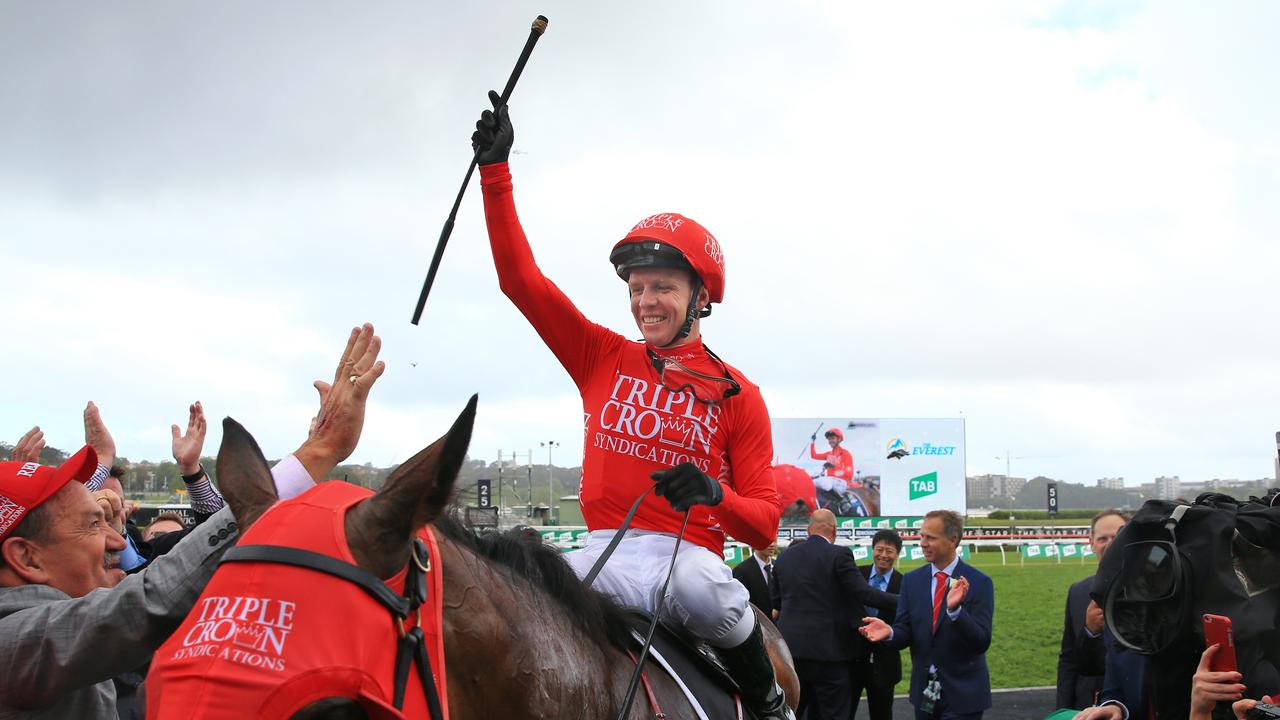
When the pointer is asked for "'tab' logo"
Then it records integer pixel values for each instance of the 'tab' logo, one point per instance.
(923, 485)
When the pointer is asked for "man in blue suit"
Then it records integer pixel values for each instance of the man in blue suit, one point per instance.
(944, 616)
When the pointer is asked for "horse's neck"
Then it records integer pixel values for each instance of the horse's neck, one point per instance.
(511, 651)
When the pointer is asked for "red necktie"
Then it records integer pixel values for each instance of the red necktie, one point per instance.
(939, 592)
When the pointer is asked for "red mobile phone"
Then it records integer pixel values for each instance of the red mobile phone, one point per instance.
(1217, 630)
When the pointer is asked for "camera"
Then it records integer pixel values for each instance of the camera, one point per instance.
(1263, 711)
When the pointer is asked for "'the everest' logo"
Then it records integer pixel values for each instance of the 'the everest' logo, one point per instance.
(256, 629)
(652, 422)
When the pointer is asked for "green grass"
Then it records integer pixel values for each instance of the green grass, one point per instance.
(1027, 626)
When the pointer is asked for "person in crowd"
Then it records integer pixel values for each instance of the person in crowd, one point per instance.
(882, 669)
(944, 615)
(756, 575)
(820, 595)
(70, 619)
(1082, 658)
(163, 524)
(663, 409)
(28, 447)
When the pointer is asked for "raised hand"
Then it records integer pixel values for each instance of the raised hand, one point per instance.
(97, 436)
(187, 447)
(337, 427)
(29, 446)
(956, 595)
(494, 135)
(875, 629)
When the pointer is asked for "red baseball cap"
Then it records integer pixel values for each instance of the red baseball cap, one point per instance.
(23, 486)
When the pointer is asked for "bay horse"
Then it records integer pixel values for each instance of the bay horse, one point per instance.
(523, 638)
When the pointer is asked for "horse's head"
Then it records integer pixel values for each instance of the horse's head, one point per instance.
(379, 529)
(286, 621)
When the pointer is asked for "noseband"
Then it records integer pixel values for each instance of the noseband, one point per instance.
(411, 648)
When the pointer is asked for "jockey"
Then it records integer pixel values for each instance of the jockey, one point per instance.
(663, 409)
(837, 463)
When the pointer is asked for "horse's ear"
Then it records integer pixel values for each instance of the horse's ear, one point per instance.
(243, 475)
(417, 492)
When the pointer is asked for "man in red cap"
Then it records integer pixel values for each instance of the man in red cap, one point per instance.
(69, 618)
(664, 409)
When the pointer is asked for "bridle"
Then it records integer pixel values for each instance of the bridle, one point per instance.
(411, 648)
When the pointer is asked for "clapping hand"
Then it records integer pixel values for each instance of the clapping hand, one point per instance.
(336, 429)
(29, 447)
(187, 447)
(97, 436)
(956, 595)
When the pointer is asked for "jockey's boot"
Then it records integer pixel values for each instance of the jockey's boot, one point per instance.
(750, 667)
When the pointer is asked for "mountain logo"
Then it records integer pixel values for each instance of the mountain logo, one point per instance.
(897, 449)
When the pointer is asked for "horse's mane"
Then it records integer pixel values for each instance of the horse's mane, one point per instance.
(525, 555)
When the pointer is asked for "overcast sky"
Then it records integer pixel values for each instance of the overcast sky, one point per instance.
(1057, 220)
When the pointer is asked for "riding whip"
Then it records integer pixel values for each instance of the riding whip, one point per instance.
(535, 32)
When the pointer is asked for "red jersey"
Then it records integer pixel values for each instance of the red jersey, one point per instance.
(265, 639)
(635, 425)
(840, 460)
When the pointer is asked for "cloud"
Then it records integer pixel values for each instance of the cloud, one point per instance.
(1056, 217)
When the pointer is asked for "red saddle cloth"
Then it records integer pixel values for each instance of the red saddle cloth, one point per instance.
(266, 639)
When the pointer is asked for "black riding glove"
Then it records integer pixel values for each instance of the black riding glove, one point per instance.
(685, 486)
(494, 135)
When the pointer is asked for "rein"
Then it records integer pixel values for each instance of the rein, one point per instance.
(636, 676)
(411, 648)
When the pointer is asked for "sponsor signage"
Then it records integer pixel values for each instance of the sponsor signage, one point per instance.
(874, 469)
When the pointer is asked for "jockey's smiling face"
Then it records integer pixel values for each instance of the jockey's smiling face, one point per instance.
(659, 303)
(833, 441)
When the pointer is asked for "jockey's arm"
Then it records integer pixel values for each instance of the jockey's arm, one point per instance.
(749, 511)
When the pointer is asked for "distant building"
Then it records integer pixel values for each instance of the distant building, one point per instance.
(993, 487)
(1168, 488)
(1115, 483)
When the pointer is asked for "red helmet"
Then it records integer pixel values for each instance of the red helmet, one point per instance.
(834, 431)
(669, 240)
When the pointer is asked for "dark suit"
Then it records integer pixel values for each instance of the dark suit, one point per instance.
(957, 647)
(1081, 658)
(882, 671)
(1125, 679)
(748, 572)
(821, 597)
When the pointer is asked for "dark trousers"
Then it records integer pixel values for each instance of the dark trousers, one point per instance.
(879, 694)
(824, 689)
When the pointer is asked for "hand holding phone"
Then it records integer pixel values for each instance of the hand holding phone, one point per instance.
(1217, 631)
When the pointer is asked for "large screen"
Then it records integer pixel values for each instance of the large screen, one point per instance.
(870, 467)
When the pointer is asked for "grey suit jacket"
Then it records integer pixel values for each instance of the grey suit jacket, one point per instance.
(58, 654)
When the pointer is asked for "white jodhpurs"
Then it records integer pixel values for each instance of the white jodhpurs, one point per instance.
(831, 483)
(703, 597)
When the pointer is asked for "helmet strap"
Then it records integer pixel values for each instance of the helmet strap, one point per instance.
(692, 313)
